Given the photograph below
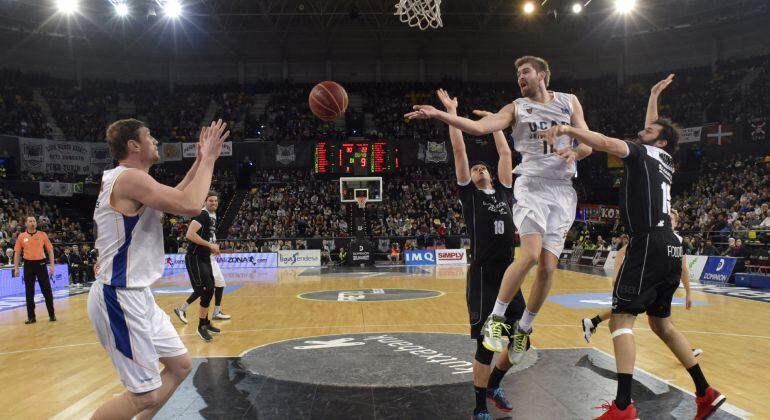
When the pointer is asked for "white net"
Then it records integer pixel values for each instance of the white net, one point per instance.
(420, 13)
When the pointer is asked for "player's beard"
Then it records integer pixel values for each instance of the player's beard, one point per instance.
(648, 142)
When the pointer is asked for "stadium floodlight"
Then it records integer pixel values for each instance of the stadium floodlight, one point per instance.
(625, 6)
(67, 7)
(529, 7)
(577, 8)
(172, 8)
(121, 8)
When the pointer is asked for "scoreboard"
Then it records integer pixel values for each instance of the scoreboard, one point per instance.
(355, 158)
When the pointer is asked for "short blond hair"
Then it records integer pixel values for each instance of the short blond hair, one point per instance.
(538, 63)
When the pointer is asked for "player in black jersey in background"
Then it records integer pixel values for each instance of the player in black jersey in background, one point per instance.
(650, 272)
(487, 213)
(200, 233)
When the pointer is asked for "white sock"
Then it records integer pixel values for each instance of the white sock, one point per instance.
(217, 309)
(183, 306)
(500, 308)
(525, 324)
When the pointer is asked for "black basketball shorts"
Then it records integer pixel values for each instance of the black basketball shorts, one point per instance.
(649, 276)
(200, 273)
(483, 284)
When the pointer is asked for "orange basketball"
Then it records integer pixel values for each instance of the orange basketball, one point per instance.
(328, 100)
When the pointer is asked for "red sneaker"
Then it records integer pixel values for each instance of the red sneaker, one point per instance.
(708, 403)
(612, 412)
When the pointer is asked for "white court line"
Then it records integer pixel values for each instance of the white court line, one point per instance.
(762, 337)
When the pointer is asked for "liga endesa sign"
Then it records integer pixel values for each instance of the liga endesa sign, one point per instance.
(299, 258)
(235, 260)
(451, 256)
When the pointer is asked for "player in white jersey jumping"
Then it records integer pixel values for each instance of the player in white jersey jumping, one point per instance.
(545, 201)
(131, 327)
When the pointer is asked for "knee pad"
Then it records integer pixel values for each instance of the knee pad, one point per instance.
(621, 331)
(483, 355)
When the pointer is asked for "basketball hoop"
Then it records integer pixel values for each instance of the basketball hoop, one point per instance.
(420, 13)
(361, 202)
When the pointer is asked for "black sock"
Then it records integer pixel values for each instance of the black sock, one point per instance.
(203, 321)
(623, 398)
(700, 381)
(481, 400)
(596, 321)
(218, 295)
(495, 377)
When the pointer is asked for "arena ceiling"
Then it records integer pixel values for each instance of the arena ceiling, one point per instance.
(233, 25)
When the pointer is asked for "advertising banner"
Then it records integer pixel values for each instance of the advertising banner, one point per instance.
(299, 258)
(451, 256)
(420, 257)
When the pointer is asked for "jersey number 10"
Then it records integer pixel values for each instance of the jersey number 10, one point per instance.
(499, 227)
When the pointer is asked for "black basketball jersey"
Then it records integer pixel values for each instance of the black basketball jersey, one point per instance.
(645, 194)
(490, 222)
(207, 232)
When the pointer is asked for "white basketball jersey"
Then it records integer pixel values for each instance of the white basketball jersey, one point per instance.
(532, 118)
(130, 248)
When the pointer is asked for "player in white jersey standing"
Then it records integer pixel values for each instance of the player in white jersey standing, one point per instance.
(545, 201)
(131, 327)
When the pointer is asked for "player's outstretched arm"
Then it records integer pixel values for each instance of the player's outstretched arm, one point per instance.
(191, 172)
(652, 103)
(505, 163)
(592, 139)
(578, 120)
(462, 171)
(139, 186)
(489, 124)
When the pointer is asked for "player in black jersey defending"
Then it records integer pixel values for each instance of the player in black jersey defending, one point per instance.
(651, 270)
(487, 212)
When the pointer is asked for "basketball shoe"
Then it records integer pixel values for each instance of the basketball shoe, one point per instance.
(708, 403)
(612, 412)
(494, 339)
(519, 344)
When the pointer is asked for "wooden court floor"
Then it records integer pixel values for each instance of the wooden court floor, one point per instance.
(59, 369)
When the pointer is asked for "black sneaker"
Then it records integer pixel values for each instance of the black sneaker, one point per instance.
(30, 321)
(203, 333)
(211, 328)
(52, 318)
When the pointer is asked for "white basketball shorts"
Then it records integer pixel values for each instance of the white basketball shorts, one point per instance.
(135, 332)
(219, 279)
(544, 207)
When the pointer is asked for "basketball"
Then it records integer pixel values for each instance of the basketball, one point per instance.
(328, 100)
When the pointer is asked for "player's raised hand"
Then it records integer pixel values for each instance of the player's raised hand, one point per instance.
(482, 113)
(659, 87)
(449, 103)
(421, 112)
(212, 138)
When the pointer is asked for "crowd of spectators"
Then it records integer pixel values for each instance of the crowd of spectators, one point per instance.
(736, 90)
(19, 114)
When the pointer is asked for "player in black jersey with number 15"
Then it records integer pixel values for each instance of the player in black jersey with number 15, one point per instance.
(650, 272)
(487, 212)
